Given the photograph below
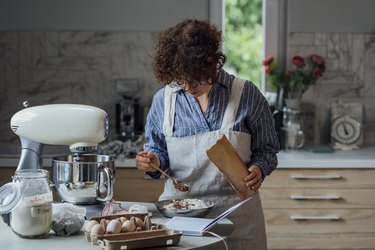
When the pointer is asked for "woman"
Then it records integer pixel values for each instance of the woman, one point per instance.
(200, 103)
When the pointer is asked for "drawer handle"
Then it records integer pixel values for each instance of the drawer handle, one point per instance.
(314, 197)
(303, 217)
(316, 177)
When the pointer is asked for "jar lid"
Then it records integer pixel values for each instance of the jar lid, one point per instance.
(10, 195)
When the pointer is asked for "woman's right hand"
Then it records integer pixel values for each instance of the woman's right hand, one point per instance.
(143, 160)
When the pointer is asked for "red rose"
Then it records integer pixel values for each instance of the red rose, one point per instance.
(317, 59)
(298, 61)
(316, 73)
(268, 61)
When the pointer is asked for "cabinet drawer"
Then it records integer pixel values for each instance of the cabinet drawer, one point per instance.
(338, 242)
(319, 222)
(321, 198)
(352, 228)
(336, 178)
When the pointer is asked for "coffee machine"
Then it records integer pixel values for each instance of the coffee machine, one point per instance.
(83, 177)
(128, 111)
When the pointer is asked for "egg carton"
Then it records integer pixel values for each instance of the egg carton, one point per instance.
(139, 240)
(152, 228)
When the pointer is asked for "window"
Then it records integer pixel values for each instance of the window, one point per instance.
(243, 39)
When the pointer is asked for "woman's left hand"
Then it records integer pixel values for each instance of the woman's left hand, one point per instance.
(253, 180)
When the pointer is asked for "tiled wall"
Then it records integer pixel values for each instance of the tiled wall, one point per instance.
(71, 67)
(349, 76)
(81, 67)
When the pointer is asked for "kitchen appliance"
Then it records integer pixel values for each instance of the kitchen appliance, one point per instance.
(129, 116)
(79, 178)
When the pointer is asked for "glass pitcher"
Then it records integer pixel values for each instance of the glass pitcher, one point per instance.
(293, 129)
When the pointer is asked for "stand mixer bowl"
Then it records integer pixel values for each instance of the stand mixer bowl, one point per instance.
(84, 179)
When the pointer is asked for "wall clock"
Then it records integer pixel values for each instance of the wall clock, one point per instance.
(346, 125)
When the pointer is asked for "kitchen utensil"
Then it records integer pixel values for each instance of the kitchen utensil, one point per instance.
(179, 185)
(226, 158)
(84, 179)
(170, 212)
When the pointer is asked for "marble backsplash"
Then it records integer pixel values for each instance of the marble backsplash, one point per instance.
(71, 67)
(46, 67)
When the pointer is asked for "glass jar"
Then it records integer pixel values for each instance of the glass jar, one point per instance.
(294, 136)
(29, 199)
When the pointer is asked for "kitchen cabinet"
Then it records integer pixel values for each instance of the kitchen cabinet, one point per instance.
(320, 208)
(133, 185)
(6, 174)
(130, 184)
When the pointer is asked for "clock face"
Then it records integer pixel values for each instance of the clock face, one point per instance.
(346, 130)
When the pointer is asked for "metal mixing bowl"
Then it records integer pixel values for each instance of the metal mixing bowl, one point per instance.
(84, 179)
(170, 212)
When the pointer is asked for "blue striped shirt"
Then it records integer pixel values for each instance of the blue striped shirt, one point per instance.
(253, 117)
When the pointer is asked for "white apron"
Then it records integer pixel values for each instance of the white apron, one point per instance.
(189, 163)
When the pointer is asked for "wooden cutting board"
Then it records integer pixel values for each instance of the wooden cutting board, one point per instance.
(226, 158)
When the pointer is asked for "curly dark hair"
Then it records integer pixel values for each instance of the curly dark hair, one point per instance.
(189, 52)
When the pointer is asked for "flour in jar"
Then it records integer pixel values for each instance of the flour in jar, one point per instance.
(32, 216)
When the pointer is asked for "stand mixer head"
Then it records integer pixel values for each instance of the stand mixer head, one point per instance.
(81, 127)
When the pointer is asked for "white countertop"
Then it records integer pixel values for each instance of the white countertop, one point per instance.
(10, 241)
(361, 158)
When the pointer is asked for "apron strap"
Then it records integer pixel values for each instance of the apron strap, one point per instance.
(233, 103)
(229, 115)
(169, 110)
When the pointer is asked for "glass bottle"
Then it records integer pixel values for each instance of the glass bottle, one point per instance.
(31, 217)
(293, 128)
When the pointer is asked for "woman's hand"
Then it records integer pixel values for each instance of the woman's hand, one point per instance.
(143, 160)
(253, 180)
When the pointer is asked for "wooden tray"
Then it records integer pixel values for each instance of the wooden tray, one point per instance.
(139, 240)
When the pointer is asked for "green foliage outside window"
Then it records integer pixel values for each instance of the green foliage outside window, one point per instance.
(243, 38)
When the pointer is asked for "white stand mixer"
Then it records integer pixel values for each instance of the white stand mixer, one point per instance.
(83, 177)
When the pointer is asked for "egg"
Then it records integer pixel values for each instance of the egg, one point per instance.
(147, 223)
(114, 227)
(104, 223)
(98, 229)
(128, 226)
(138, 222)
(122, 219)
(90, 224)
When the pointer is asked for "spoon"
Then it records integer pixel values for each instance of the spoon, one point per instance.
(179, 185)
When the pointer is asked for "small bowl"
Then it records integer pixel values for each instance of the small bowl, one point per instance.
(183, 212)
